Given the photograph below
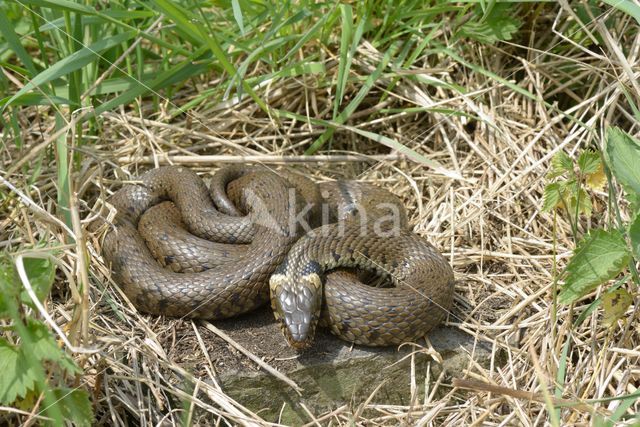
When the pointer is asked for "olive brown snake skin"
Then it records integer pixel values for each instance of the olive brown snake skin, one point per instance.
(237, 261)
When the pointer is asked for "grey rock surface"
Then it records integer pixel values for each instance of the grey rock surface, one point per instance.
(332, 373)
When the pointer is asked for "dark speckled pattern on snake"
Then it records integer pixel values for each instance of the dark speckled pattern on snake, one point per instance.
(219, 280)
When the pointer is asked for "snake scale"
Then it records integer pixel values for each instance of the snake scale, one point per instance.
(178, 248)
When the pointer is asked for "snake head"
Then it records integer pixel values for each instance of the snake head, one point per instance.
(296, 299)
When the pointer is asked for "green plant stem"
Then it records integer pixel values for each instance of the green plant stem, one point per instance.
(620, 223)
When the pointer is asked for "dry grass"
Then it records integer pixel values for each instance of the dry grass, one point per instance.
(488, 223)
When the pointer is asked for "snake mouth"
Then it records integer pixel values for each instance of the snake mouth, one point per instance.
(296, 306)
(298, 338)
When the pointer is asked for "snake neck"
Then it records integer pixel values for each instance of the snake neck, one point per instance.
(296, 286)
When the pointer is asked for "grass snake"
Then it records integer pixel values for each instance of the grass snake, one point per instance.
(178, 248)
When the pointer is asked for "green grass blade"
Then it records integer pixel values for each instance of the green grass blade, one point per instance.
(62, 165)
(71, 63)
(6, 28)
(237, 14)
(621, 410)
(62, 5)
(490, 74)
(293, 70)
(38, 99)
(307, 36)
(186, 22)
(70, 6)
(412, 154)
(344, 65)
(253, 56)
(627, 6)
(351, 107)
(562, 368)
(278, 25)
(177, 73)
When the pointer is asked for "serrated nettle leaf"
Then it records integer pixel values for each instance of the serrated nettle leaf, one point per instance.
(17, 376)
(623, 158)
(589, 162)
(615, 304)
(634, 236)
(598, 257)
(41, 343)
(552, 196)
(75, 405)
(561, 163)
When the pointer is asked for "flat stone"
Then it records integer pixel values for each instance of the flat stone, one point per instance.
(332, 373)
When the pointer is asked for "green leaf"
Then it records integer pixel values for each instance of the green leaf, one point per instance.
(9, 288)
(38, 99)
(615, 305)
(582, 200)
(237, 14)
(67, 5)
(17, 376)
(344, 65)
(598, 301)
(41, 273)
(41, 344)
(623, 158)
(589, 162)
(634, 201)
(552, 196)
(12, 39)
(495, 26)
(634, 236)
(74, 405)
(560, 163)
(627, 6)
(355, 102)
(71, 63)
(599, 257)
(178, 72)
(596, 180)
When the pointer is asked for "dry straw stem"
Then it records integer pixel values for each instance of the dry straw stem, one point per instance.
(488, 224)
(253, 357)
(518, 394)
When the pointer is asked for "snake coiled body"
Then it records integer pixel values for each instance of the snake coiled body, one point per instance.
(191, 276)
